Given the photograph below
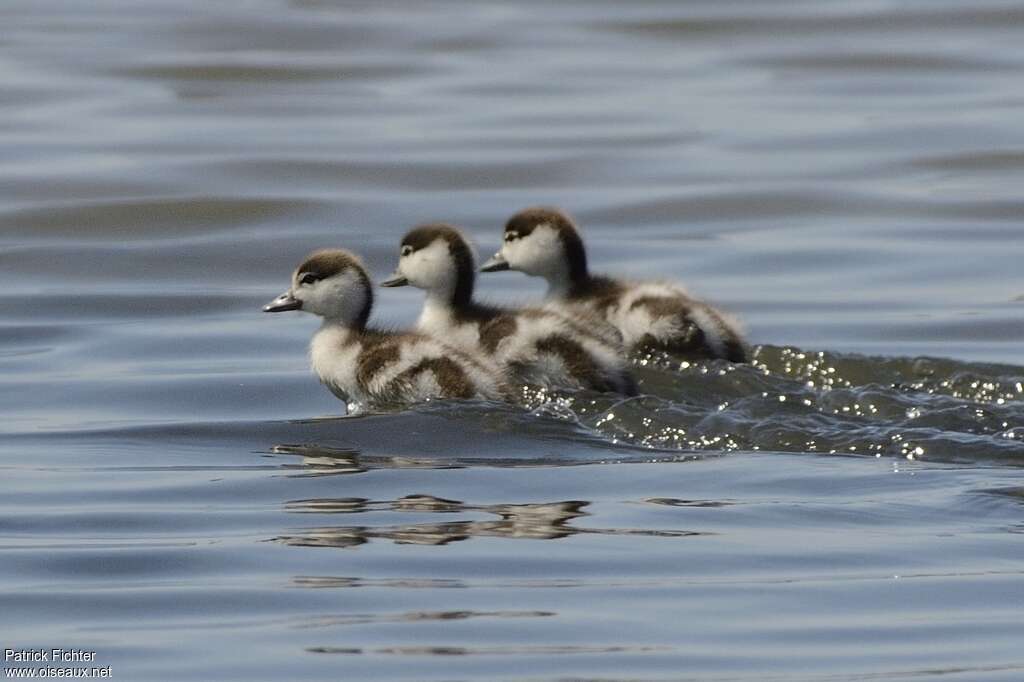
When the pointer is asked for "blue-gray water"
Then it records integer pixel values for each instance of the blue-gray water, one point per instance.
(180, 496)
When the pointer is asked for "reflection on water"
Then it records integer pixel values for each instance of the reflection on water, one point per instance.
(532, 521)
(547, 521)
(322, 461)
(489, 651)
(416, 617)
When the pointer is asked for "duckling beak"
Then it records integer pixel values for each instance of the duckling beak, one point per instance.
(396, 279)
(495, 263)
(282, 303)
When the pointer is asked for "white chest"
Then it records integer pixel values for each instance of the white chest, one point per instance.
(437, 321)
(334, 359)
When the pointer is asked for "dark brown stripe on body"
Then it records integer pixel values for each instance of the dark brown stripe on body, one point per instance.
(577, 361)
(664, 306)
(450, 377)
(601, 292)
(690, 340)
(735, 348)
(495, 331)
(374, 359)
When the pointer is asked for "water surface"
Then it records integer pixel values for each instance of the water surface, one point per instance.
(181, 496)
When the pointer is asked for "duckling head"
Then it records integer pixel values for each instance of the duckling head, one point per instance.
(543, 242)
(437, 258)
(331, 283)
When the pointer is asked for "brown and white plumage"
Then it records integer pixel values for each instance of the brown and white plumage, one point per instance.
(652, 314)
(538, 345)
(372, 367)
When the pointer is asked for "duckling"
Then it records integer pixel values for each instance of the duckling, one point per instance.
(537, 346)
(371, 367)
(544, 242)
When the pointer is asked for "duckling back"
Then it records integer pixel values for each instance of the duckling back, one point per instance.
(662, 315)
(540, 346)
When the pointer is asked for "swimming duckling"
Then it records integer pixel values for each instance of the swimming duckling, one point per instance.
(538, 346)
(545, 242)
(367, 366)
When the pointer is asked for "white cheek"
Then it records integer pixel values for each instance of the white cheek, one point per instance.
(309, 297)
(326, 293)
(540, 252)
(322, 295)
(341, 296)
(408, 267)
(430, 268)
(412, 268)
(519, 255)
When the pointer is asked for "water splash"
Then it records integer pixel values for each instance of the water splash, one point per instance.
(792, 400)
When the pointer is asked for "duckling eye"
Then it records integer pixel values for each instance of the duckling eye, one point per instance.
(511, 236)
(406, 250)
(307, 278)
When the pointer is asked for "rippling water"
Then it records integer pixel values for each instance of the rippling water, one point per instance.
(182, 498)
